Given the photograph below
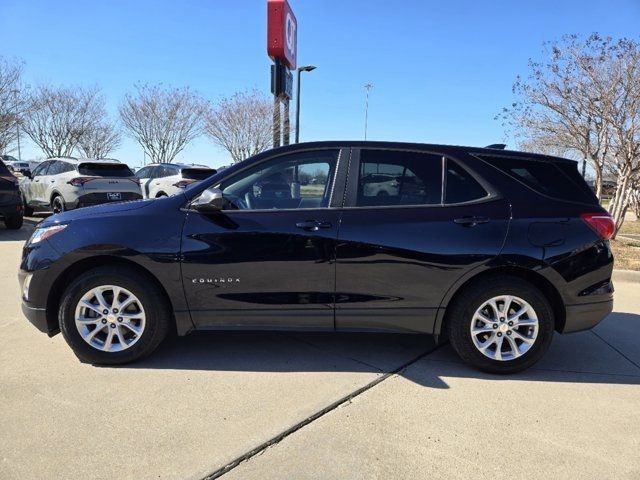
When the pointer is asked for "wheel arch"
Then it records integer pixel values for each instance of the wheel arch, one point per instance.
(58, 287)
(54, 194)
(528, 275)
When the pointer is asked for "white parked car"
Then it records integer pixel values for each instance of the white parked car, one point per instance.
(60, 184)
(22, 168)
(166, 179)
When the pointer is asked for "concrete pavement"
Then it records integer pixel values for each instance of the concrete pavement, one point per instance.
(329, 406)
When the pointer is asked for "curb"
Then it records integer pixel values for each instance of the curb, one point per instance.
(626, 276)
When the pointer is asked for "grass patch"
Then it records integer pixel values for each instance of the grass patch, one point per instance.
(626, 251)
(630, 226)
(626, 254)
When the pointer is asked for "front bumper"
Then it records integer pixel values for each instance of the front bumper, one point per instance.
(38, 318)
(585, 316)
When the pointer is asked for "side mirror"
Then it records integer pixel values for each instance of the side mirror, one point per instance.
(27, 173)
(209, 201)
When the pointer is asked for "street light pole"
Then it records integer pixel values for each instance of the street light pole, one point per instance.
(15, 99)
(306, 68)
(367, 87)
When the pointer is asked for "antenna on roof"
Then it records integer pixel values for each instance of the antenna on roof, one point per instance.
(497, 146)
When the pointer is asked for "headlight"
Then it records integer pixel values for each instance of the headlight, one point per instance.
(43, 233)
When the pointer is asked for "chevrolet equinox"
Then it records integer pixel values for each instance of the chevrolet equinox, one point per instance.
(492, 250)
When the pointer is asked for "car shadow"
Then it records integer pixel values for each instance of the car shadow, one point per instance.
(23, 233)
(582, 357)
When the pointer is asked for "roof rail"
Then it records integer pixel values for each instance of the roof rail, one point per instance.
(497, 146)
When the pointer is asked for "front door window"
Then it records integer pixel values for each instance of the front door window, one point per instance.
(296, 181)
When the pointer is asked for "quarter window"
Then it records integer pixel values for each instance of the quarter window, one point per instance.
(300, 180)
(460, 186)
(389, 178)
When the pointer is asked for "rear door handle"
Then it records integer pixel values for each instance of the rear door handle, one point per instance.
(313, 225)
(471, 221)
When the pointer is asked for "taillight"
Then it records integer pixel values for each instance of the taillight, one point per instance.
(601, 223)
(134, 180)
(79, 181)
(183, 183)
(9, 178)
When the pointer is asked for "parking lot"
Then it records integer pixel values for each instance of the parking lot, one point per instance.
(284, 405)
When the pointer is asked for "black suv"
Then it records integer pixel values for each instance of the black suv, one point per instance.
(493, 250)
(11, 209)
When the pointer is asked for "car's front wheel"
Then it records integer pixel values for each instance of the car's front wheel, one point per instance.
(501, 325)
(113, 315)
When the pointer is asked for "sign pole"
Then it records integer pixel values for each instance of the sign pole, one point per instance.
(276, 121)
(286, 121)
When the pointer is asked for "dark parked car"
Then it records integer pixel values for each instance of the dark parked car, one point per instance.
(493, 250)
(10, 200)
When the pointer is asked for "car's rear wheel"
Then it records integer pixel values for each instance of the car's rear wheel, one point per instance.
(502, 325)
(57, 204)
(113, 315)
(28, 211)
(13, 222)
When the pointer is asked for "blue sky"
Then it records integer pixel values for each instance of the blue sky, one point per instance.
(441, 70)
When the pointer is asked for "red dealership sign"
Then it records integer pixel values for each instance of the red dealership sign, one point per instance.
(282, 33)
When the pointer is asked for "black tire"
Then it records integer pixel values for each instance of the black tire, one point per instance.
(157, 310)
(27, 210)
(14, 222)
(57, 204)
(161, 195)
(460, 314)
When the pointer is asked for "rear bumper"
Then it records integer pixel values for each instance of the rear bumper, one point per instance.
(10, 207)
(13, 211)
(586, 316)
(91, 199)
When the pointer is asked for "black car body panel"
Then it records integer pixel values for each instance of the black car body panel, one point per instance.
(10, 199)
(342, 267)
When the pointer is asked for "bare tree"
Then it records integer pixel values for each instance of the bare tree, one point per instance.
(163, 120)
(623, 114)
(58, 117)
(11, 102)
(562, 103)
(100, 140)
(241, 124)
(586, 99)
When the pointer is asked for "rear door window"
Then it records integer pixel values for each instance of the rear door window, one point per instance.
(165, 171)
(559, 180)
(144, 172)
(105, 170)
(396, 178)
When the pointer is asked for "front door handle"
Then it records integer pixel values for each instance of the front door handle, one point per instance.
(313, 225)
(471, 221)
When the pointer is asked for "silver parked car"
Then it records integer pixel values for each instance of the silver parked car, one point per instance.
(60, 184)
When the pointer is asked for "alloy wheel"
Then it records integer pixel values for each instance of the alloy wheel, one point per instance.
(58, 205)
(110, 318)
(504, 328)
